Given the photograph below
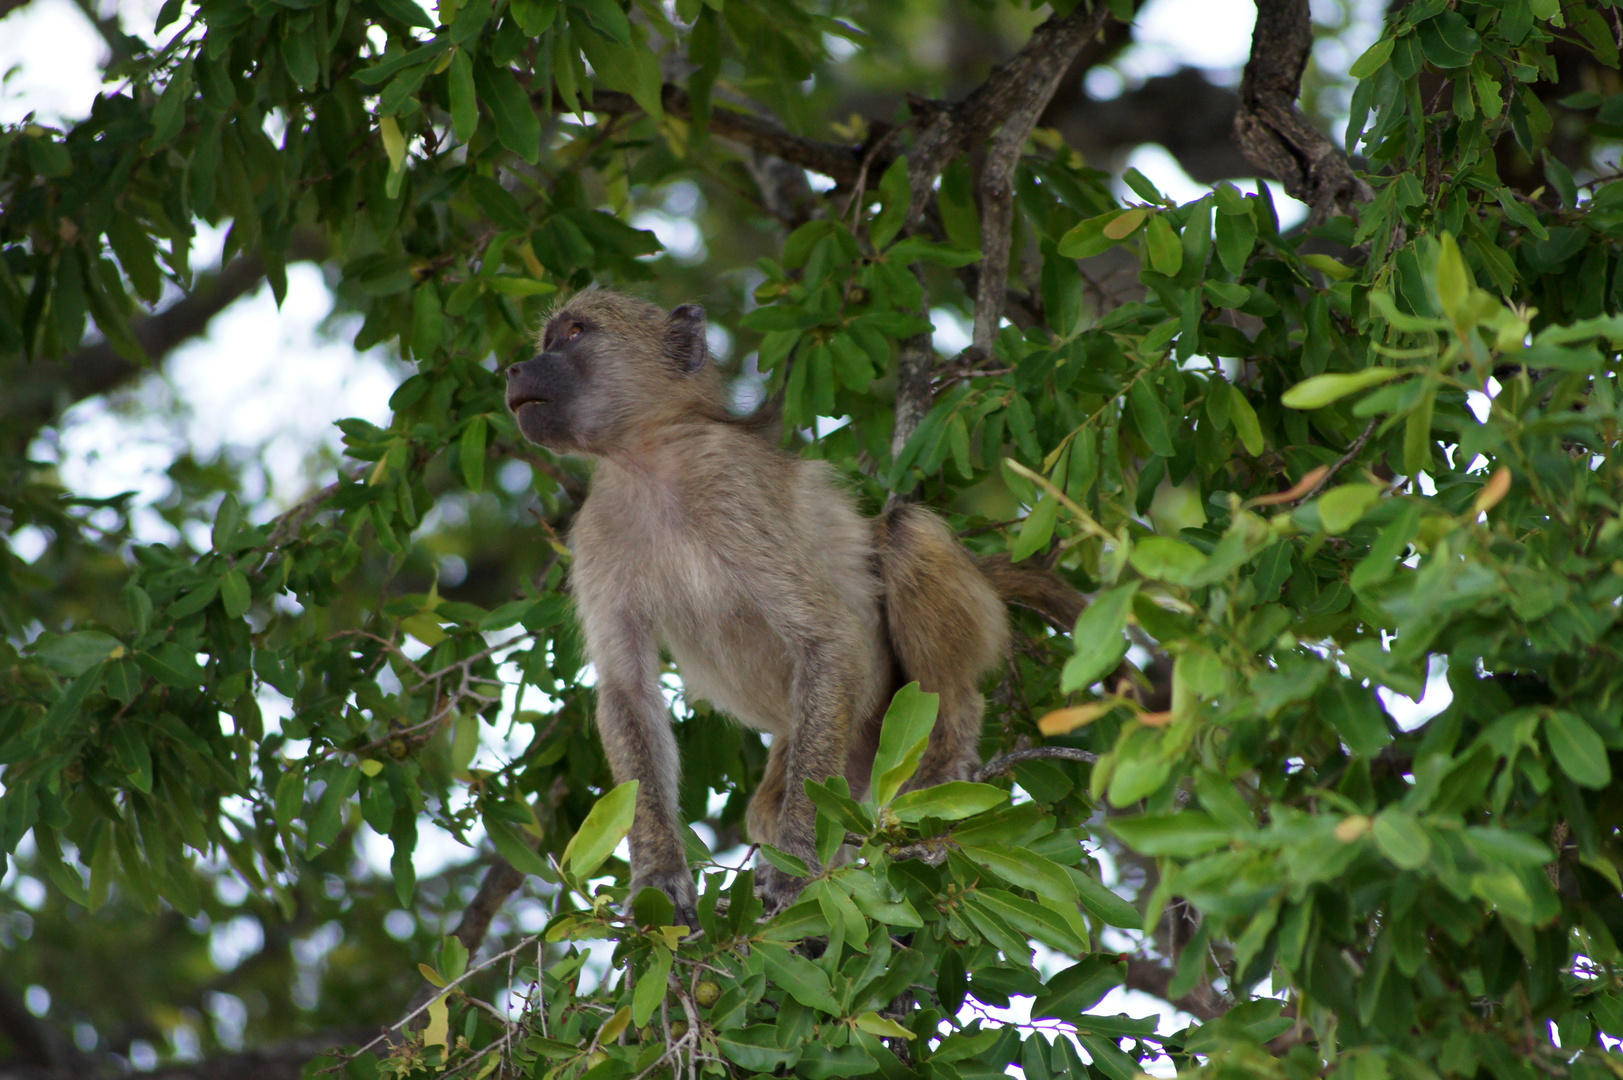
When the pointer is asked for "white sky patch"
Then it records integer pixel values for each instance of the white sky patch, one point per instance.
(49, 54)
(261, 384)
(952, 333)
(1210, 34)
(1437, 696)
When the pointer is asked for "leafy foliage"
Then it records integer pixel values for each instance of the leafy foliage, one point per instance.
(1313, 468)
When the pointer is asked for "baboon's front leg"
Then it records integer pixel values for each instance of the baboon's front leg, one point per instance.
(635, 727)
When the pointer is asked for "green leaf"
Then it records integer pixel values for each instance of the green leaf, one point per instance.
(1024, 868)
(517, 126)
(820, 1061)
(755, 1048)
(1103, 904)
(902, 739)
(471, 453)
(1163, 559)
(133, 755)
(1100, 645)
(464, 99)
(1037, 529)
(1372, 60)
(1166, 250)
(800, 978)
(1341, 508)
(1578, 749)
(605, 17)
(1078, 988)
(914, 249)
(510, 845)
(76, 653)
(1244, 418)
(1152, 416)
(1322, 390)
(172, 665)
(1356, 714)
(1448, 40)
(652, 986)
(169, 116)
(235, 595)
(949, 802)
(793, 865)
(1417, 433)
(1183, 834)
(605, 826)
(1453, 281)
(1401, 838)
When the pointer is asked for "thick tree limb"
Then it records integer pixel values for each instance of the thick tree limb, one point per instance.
(1008, 102)
(1271, 130)
(1035, 75)
(1188, 114)
(1155, 979)
(1032, 74)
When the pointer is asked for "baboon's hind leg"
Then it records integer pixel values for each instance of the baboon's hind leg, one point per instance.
(948, 629)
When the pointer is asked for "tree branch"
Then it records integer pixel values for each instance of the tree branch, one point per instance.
(1271, 130)
(1010, 100)
(1155, 979)
(841, 163)
(1004, 762)
(1032, 74)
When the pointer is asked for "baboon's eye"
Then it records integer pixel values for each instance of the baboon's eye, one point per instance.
(575, 330)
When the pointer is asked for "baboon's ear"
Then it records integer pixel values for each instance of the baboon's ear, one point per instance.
(684, 337)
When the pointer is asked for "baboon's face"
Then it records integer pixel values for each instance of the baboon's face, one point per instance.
(545, 394)
(610, 365)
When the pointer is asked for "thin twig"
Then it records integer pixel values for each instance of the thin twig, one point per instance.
(1353, 451)
(1004, 762)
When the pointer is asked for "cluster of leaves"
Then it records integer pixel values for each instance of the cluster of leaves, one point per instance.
(867, 974)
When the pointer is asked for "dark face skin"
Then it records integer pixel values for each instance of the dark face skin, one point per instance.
(542, 393)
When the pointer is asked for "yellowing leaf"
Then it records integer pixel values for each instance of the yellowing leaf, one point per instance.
(1305, 486)
(431, 975)
(439, 1023)
(370, 767)
(1120, 228)
(885, 1028)
(614, 1025)
(1322, 390)
(1330, 268)
(1064, 721)
(1351, 828)
(394, 143)
(1493, 492)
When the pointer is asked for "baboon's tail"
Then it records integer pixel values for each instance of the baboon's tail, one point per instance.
(1032, 587)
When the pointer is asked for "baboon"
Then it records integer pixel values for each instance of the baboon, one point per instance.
(780, 603)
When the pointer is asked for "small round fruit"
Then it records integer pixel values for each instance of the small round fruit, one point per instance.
(707, 993)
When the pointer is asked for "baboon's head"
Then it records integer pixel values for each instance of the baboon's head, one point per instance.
(611, 368)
